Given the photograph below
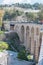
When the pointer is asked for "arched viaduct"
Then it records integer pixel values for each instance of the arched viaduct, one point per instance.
(30, 37)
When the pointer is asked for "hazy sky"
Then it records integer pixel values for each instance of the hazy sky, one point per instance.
(19, 1)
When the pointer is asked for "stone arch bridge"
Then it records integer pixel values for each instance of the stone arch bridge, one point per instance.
(30, 36)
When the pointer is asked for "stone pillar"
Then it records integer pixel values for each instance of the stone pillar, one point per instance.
(37, 48)
(32, 40)
(25, 38)
(32, 46)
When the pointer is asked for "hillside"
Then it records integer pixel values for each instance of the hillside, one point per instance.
(16, 12)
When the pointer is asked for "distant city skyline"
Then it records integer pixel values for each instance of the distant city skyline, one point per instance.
(20, 1)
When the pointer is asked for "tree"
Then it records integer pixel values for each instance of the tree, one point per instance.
(37, 6)
(18, 13)
(30, 16)
(11, 15)
(6, 16)
(40, 15)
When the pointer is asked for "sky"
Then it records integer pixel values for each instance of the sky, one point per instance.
(20, 1)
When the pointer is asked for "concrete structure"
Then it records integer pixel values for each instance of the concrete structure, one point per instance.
(30, 36)
(3, 58)
(40, 62)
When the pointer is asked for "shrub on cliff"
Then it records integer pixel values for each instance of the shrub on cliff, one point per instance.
(3, 45)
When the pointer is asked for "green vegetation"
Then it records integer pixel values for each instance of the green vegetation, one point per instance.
(34, 16)
(3, 46)
(40, 15)
(23, 55)
(11, 15)
(35, 6)
(1, 32)
(30, 16)
(24, 5)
